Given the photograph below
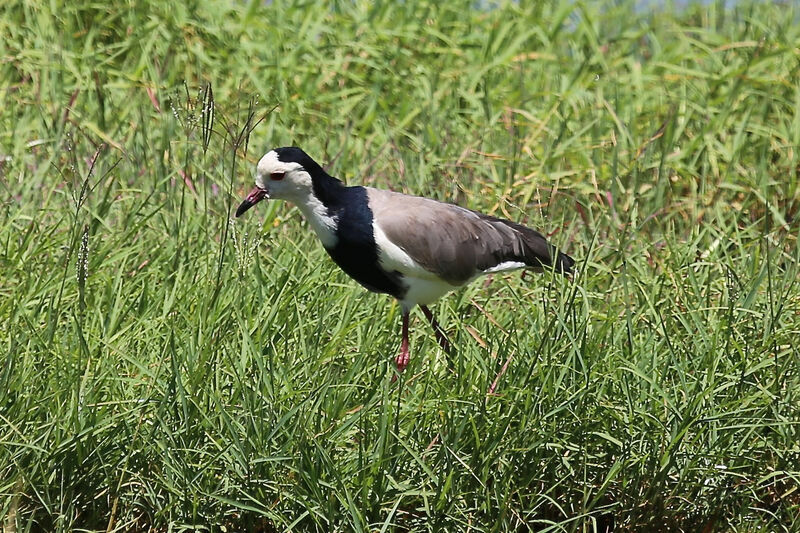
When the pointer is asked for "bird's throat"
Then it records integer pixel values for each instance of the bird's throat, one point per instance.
(320, 219)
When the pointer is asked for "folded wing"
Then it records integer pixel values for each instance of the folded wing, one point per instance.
(457, 244)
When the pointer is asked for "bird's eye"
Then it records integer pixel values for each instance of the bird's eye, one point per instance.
(275, 176)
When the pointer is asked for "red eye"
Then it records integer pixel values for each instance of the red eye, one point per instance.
(277, 176)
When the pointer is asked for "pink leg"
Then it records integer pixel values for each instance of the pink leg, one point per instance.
(403, 357)
(441, 336)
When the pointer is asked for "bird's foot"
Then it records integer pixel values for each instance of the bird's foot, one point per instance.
(402, 360)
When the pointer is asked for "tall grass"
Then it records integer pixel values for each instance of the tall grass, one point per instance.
(167, 368)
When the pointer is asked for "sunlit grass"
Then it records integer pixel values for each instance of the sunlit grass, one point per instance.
(166, 367)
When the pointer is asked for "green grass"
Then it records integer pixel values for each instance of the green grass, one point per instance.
(166, 368)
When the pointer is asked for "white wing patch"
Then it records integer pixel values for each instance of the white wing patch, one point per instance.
(506, 265)
(423, 287)
(392, 257)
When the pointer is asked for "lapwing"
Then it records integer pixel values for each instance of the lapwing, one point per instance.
(413, 248)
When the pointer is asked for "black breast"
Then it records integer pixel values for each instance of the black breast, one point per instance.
(355, 251)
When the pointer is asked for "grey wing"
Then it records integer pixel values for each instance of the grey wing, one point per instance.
(455, 243)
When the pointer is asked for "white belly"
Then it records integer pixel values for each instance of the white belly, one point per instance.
(424, 291)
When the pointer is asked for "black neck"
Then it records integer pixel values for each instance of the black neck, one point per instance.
(327, 188)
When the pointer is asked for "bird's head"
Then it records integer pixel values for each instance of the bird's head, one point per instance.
(283, 173)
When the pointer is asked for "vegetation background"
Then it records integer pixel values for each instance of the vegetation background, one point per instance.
(166, 368)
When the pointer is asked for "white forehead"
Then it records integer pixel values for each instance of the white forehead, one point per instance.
(270, 163)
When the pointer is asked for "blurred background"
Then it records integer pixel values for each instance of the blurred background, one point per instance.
(166, 368)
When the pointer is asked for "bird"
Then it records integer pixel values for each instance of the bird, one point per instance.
(412, 248)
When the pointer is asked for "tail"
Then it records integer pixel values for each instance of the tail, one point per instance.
(564, 264)
(539, 254)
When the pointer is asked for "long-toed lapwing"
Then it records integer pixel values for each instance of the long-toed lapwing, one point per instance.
(415, 249)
